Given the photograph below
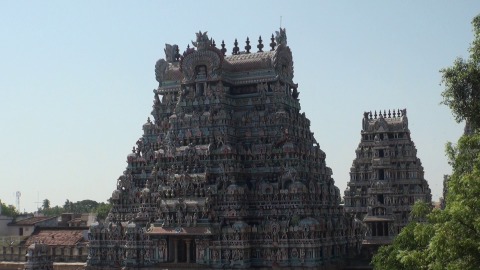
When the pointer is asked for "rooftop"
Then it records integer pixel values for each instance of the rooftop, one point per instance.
(57, 237)
(30, 221)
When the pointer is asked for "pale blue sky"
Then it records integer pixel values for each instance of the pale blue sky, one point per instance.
(76, 79)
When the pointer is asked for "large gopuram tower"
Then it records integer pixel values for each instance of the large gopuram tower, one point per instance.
(228, 173)
(386, 177)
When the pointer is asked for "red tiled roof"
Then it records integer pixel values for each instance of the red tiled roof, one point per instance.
(56, 237)
(31, 221)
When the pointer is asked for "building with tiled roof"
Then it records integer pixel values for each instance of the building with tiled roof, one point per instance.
(58, 236)
(65, 244)
(25, 227)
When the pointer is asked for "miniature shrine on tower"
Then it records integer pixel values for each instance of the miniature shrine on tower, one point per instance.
(227, 173)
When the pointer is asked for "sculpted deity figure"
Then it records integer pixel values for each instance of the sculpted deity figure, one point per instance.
(281, 36)
(201, 253)
(226, 254)
(179, 217)
(195, 217)
(236, 255)
(160, 68)
(146, 256)
(302, 253)
(215, 255)
(188, 219)
(202, 40)
(278, 255)
(170, 51)
(284, 254)
(163, 248)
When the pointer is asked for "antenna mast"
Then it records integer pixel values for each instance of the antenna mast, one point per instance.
(18, 194)
(38, 201)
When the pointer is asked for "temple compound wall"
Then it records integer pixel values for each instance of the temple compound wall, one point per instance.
(386, 177)
(227, 174)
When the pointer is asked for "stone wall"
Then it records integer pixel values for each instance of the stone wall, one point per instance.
(69, 254)
(13, 253)
(56, 266)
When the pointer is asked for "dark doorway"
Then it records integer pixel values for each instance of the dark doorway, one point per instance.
(380, 198)
(193, 248)
(182, 251)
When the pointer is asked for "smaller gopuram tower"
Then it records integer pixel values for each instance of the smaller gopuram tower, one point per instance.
(386, 177)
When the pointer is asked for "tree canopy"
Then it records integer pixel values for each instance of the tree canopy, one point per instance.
(462, 83)
(46, 204)
(102, 210)
(8, 210)
(443, 239)
(449, 238)
(84, 206)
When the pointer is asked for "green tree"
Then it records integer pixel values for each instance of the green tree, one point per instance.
(409, 249)
(53, 211)
(449, 239)
(67, 206)
(8, 210)
(462, 83)
(456, 244)
(102, 210)
(84, 206)
(46, 204)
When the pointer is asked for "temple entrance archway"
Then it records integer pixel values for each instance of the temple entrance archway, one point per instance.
(181, 250)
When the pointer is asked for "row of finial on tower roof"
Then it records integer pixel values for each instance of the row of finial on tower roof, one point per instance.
(235, 49)
(390, 114)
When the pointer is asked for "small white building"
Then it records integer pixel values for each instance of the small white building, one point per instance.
(25, 227)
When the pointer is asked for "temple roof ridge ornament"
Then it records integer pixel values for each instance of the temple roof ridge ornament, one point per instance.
(281, 37)
(202, 42)
(171, 53)
(391, 114)
(391, 120)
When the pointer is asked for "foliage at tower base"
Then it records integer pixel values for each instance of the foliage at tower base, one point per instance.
(443, 239)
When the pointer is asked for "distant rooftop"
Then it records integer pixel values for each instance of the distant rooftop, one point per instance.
(30, 221)
(57, 237)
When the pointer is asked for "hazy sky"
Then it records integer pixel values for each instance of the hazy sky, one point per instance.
(76, 79)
